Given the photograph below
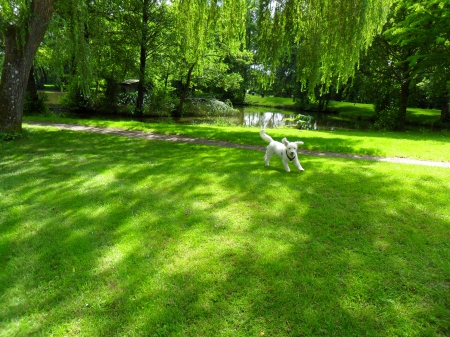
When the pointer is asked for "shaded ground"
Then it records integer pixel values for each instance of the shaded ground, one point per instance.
(177, 138)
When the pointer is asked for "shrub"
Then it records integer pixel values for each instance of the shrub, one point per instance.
(387, 119)
(75, 99)
(210, 107)
(161, 101)
(35, 105)
(304, 122)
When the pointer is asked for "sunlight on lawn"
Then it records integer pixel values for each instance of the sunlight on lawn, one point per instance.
(104, 235)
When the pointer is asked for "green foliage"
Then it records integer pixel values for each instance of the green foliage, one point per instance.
(329, 36)
(387, 119)
(311, 101)
(110, 97)
(129, 99)
(211, 107)
(76, 98)
(303, 122)
(6, 137)
(36, 105)
(162, 100)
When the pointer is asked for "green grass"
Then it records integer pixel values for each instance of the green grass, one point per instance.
(269, 101)
(417, 145)
(353, 111)
(110, 236)
(359, 111)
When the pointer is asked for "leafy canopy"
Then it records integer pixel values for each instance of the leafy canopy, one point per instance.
(329, 35)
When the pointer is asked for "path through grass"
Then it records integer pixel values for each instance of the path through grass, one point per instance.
(434, 146)
(110, 236)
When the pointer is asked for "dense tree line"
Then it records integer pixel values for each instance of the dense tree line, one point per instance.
(221, 49)
(407, 65)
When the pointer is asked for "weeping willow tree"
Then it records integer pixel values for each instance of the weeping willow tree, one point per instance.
(330, 35)
(206, 32)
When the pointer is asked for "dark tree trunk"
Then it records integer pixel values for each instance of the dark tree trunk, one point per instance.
(141, 85)
(445, 114)
(142, 60)
(19, 55)
(31, 86)
(179, 111)
(403, 104)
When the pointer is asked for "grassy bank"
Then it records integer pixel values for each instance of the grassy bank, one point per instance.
(417, 145)
(352, 111)
(359, 111)
(269, 101)
(110, 236)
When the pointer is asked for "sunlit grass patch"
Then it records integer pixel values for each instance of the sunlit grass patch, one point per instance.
(105, 235)
(269, 101)
(417, 145)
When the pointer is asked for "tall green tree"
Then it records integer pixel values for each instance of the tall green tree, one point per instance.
(425, 28)
(22, 26)
(330, 34)
(146, 25)
(412, 49)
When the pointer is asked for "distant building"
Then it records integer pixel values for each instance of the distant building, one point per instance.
(130, 85)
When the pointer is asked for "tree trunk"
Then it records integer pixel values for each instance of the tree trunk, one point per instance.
(31, 86)
(445, 114)
(403, 104)
(179, 110)
(142, 60)
(141, 85)
(19, 55)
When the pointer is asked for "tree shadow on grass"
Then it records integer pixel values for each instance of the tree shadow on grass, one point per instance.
(114, 236)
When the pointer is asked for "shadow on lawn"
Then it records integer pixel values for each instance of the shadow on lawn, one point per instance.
(114, 236)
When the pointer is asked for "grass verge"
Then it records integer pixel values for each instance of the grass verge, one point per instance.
(353, 111)
(270, 101)
(110, 236)
(433, 146)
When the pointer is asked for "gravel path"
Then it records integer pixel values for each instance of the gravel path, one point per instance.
(176, 138)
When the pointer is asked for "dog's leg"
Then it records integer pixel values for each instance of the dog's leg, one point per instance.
(286, 165)
(268, 155)
(298, 165)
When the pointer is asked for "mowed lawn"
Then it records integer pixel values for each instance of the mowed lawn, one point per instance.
(111, 236)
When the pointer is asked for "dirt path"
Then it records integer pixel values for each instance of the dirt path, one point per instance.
(176, 138)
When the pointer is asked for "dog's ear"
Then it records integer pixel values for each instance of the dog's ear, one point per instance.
(300, 143)
(285, 141)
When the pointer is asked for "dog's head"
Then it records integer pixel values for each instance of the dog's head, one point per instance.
(291, 147)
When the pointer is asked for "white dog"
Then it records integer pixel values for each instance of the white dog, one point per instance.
(286, 150)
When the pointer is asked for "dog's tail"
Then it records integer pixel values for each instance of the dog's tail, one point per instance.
(263, 135)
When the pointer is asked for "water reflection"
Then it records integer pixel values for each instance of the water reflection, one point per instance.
(264, 119)
(245, 116)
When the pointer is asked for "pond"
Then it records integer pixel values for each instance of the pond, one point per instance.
(272, 118)
(245, 116)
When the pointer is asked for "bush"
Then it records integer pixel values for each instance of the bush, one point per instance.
(387, 119)
(161, 101)
(304, 122)
(35, 105)
(75, 99)
(210, 107)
